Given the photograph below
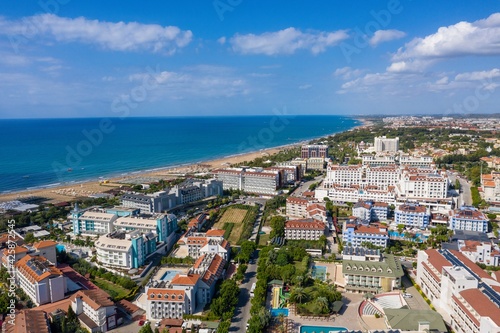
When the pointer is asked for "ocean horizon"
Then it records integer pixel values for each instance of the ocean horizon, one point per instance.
(49, 152)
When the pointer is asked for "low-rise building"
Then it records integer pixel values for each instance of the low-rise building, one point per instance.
(380, 275)
(95, 310)
(92, 222)
(468, 218)
(356, 234)
(481, 252)
(412, 216)
(308, 229)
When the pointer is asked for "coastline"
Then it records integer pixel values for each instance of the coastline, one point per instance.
(59, 192)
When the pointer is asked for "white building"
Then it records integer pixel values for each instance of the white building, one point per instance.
(257, 180)
(92, 222)
(308, 229)
(382, 143)
(40, 279)
(355, 234)
(412, 216)
(382, 176)
(95, 310)
(378, 159)
(481, 252)
(490, 183)
(343, 175)
(468, 218)
(416, 161)
(422, 183)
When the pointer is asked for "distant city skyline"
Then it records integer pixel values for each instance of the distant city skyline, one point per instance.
(61, 58)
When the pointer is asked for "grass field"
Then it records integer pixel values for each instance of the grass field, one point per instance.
(114, 290)
(263, 239)
(235, 216)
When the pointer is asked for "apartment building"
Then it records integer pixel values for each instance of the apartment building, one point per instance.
(370, 211)
(40, 279)
(373, 274)
(308, 229)
(468, 218)
(291, 173)
(95, 310)
(316, 163)
(382, 143)
(412, 216)
(28, 321)
(356, 234)
(466, 296)
(308, 151)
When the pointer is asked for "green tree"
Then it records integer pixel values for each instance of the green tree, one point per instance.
(29, 238)
(146, 328)
(298, 295)
(322, 303)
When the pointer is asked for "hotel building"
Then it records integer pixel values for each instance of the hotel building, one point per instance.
(382, 143)
(490, 184)
(260, 181)
(481, 252)
(308, 229)
(40, 279)
(92, 222)
(95, 310)
(468, 218)
(308, 151)
(356, 234)
(466, 296)
(371, 273)
(369, 211)
(412, 216)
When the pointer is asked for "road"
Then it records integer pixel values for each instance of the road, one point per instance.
(242, 311)
(465, 198)
(303, 187)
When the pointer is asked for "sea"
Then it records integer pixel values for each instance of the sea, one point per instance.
(37, 153)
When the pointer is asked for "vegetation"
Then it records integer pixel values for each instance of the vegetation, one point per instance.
(67, 324)
(228, 227)
(247, 248)
(176, 261)
(278, 226)
(223, 305)
(238, 222)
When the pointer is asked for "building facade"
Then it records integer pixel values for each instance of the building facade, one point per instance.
(308, 151)
(468, 218)
(412, 216)
(308, 229)
(356, 234)
(382, 143)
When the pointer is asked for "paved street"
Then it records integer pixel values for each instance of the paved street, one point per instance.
(465, 197)
(242, 311)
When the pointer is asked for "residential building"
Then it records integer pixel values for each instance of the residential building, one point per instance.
(308, 151)
(412, 216)
(308, 229)
(300, 163)
(291, 173)
(356, 234)
(363, 211)
(95, 310)
(382, 143)
(296, 206)
(380, 211)
(354, 194)
(490, 185)
(125, 249)
(383, 274)
(198, 222)
(468, 218)
(343, 175)
(40, 279)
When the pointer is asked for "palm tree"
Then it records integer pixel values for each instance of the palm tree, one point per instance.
(322, 302)
(299, 279)
(298, 295)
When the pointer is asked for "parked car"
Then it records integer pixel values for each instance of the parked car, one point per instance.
(406, 295)
(141, 322)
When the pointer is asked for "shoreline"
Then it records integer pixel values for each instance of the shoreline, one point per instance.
(69, 191)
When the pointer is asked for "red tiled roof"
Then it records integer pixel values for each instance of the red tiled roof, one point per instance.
(167, 295)
(215, 233)
(310, 224)
(482, 304)
(361, 229)
(437, 260)
(186, 280)
(44, 244)
(475, 268)
(25, 270)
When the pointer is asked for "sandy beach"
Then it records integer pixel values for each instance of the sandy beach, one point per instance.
(69, 192)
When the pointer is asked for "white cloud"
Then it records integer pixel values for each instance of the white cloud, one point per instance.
(286, 41)
(478, 76)
(119, 36)
(443, 81)
(382, 36)
(480, 37)
(347, 73)
(221, 40)
(305, 86)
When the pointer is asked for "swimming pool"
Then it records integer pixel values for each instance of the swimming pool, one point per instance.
(319, 272)
(60, 248)
(277, 312)
(169, 275)
(418, 236)
(319, 329)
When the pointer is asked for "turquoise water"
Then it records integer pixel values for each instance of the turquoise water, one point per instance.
(47, 152)
(169, 275)
(277, 312)
(60, 247)
(417, 235)
(319, 272)
(319, 329)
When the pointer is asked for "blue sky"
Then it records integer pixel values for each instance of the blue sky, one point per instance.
(74, 58)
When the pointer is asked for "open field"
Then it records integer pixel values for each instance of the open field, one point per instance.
(114, 290)
(235, 216)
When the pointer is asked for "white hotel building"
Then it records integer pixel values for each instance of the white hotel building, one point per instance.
(308, 229)
(466, 296)
(257, 180)
(468, 218)
(40, 279)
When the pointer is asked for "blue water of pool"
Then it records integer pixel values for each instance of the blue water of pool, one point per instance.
(277, 312)
(60, 248)
(319, 272)
(319, 329)
(169, 275)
